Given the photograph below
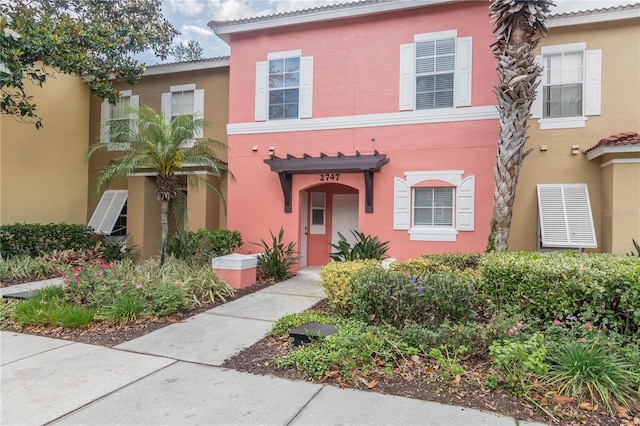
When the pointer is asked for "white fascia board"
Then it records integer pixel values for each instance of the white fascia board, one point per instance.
(320, 15)
(612, 150)
(183, 67)
(592, 18)
(443, 115)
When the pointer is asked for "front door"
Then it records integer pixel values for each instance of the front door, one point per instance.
(344, 217)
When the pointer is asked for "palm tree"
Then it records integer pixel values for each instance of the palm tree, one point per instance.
(518, 27)
(154, 144)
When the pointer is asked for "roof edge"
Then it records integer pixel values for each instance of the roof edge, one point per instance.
(218, 62)
(614, 13)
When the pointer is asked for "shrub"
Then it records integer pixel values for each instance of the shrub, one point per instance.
(336, 280)
(277, 258)
(437, 263)
(588, 371)
(604, 287)
(205, 244)
(203, 286)
(23, 266)
(48, 307)
(365, 247)
(37, 239)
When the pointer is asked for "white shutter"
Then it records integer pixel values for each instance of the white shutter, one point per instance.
(466, 204)
(106, 213)
(463, 72)
(105, 116)
(262, 80)
(306, 86)
(407, 77)
(134, 102)
(198, 111)
(592, 81)
(536, 105)
(166, 107)
(565, 216)
(401, 204)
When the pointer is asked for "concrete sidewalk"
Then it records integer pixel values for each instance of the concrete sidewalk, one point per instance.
(173, 376)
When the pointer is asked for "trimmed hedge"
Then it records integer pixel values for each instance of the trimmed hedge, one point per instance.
(601, 288)
(203, 245)
(336, 280)
(37, 239)
(439, 263)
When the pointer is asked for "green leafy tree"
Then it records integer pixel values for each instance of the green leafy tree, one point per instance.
(90, 38)
(156, 145)
(192, 51)
(518, 27)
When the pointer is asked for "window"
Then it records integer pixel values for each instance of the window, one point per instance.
(318, 213)
(570, 86)
(435, 71)
(110, 215)
(284, 86)
(564, 213)
(114, 115)
(434, 213)
(184, 99)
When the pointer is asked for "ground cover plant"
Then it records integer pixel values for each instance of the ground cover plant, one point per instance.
(555, 332)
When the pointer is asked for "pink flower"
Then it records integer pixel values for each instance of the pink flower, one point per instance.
(556, 322)
(138, 286)
(511, 331)
(582, 340)
(77, 280)
(123, 284)
(178, 283)
(519, 326)
(99, 275)
(104, 266)
(76, 271)
(588, 325)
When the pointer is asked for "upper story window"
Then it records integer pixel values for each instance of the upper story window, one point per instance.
(435, 71)
(116, 115)
(284, 86)
(434, 205)
(184, 99)
(570, 86)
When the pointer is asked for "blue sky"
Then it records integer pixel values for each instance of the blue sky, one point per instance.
(190, 17)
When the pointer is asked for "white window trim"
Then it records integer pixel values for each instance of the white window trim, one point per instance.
(318, 229)
(463, 205)
(305, 90)
(105, 117)
(462, 80)
(591, 87)
(107, 211)
(198, 108)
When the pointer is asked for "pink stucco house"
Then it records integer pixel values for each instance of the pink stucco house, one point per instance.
(373, 116)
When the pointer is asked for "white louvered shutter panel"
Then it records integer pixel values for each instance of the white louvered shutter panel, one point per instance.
(166, 107)
(466, 204)
(198, 111)
(407, 77)
(106, 213)
(464, 50)
(565, 216)
(105, 116)
(401, 204)
(306, 86)
(593, 71)
(262, 80)
(536, 105)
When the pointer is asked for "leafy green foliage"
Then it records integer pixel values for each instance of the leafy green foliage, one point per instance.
(637, 247)
(365, 247)
(277, 257)
(19, 267)
(449, 359)
(192, 51)
(336, 280)
(113, 250)
(48, 307)
(37, 239)
(604, 288)
(588, 371)
(203, 245)
(82, 37)
(203, 285)
(437, 263)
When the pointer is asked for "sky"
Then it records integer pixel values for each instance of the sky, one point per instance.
(190, 17)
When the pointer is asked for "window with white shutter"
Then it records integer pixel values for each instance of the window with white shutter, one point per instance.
(435, 71)
(122, 113)
(109, 217)
(565, 219)
(182, 100)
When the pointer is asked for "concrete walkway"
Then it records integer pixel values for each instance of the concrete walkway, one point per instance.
(172, 376)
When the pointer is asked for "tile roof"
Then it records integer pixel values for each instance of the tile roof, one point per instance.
(587, 12)
(620, 139)
(217, 58)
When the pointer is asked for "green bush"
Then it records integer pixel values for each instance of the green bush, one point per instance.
(205, 244)
(336, 280)
(437, 263)
(365, 247)
(277, 258)
(37, 239)
(23, 266)
(600, 287)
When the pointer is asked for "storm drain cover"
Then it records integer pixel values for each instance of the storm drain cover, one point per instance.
(306, 333)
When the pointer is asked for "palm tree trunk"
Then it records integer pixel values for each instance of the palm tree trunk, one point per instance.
(517, 25)
(164, 223)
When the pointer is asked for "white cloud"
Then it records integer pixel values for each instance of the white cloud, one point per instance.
(185, 7)
(193, 30)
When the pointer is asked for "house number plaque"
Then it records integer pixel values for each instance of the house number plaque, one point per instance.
(325, 177)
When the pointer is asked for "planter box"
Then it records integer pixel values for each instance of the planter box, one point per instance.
(239, 270)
